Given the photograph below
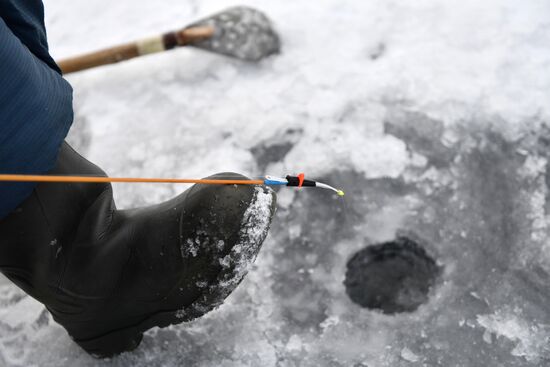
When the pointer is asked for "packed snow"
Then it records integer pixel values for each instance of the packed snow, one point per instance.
(430, 115)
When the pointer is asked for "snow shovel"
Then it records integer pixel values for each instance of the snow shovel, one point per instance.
(241, 32)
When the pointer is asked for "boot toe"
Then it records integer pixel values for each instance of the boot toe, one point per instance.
(224, 235)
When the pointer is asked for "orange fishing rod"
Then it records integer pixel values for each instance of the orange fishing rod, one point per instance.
(96, 179)
(293, 181)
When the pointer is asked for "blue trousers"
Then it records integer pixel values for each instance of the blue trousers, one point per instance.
(35, 101)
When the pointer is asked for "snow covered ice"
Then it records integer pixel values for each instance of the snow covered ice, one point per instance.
(431, 115)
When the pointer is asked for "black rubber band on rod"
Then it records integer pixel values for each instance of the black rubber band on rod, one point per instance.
(295, 182)
(170, 40)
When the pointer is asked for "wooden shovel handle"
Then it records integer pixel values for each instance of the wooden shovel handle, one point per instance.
(130, 50)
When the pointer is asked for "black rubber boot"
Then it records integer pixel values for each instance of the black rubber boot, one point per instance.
(108, 275)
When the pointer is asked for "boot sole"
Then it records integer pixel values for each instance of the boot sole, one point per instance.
(128, 339)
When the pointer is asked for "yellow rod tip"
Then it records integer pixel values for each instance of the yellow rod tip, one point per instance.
(340, 193)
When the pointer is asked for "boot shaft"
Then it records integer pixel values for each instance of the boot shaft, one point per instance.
(36, 237)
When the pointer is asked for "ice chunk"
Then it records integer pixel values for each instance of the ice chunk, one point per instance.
(408, 355)
(531, 340)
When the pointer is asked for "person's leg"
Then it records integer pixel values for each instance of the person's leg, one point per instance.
(25, 19)
(35, 115)
(108, 275)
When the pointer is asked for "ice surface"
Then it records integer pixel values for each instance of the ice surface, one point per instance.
(531, 341)
(429, 114)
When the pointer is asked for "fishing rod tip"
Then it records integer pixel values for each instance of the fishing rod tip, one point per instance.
(340, 193)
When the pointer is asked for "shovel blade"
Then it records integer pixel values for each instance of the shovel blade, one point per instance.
(241, 32)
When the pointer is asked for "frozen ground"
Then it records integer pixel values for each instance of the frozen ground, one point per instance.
(431, 115)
